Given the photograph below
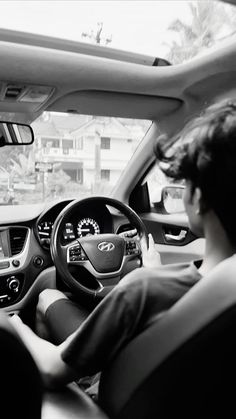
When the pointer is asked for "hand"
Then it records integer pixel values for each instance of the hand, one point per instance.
(22, 329)
(46, 356)
(151, 257)
(29, 338)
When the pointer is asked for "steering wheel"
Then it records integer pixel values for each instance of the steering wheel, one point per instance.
(103, 255)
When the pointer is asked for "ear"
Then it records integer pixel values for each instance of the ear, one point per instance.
(198, 201)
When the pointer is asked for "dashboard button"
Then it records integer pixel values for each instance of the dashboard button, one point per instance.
(3, 298)
(38, 261)
(16, 263)
(13, 284)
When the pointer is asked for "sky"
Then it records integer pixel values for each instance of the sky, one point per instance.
(134, 25)
(139, 26)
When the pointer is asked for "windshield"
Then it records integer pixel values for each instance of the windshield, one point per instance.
(73, 156)
(175, 30)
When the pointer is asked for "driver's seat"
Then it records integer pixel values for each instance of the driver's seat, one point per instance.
(184, 365)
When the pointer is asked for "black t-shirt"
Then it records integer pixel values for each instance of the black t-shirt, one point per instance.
(128, 309)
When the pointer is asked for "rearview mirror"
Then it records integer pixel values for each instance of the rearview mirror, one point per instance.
(172, 199)
(15, 134)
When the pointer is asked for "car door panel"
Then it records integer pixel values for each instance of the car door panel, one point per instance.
(173, 239)
(172, 236)
(186, 253)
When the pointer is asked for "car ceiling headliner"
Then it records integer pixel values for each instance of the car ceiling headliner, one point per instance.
(97, 85)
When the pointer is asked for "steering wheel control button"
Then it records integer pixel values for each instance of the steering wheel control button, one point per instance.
(131, 233)
(16, 263)
(132, 247)
(38, 261)
(4, 265)
(76, 254)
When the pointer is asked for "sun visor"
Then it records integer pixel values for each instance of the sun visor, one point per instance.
(122, 105)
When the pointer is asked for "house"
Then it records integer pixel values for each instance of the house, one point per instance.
(89, 149)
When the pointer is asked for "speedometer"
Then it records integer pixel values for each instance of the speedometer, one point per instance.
(87, 227)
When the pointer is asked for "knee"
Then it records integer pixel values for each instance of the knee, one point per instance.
(48, 297)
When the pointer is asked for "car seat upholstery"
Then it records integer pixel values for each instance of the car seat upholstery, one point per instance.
(184, 364)
(21, 387)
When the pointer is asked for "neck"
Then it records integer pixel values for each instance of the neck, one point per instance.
(217, 247)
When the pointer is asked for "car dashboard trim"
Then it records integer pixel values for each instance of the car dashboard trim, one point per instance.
(21, 257)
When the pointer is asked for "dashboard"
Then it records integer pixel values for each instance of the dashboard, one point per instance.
(25, 257)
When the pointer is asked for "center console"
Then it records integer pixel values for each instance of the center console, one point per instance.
(10, 288)
(14, 243)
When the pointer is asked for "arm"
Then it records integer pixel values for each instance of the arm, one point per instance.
(89, 349)
(111, 324)
(55, 372)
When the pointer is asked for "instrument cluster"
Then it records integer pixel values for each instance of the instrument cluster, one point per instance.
(86, 220)
(83, 227)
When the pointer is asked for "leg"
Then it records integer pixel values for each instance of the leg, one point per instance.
(57, 316)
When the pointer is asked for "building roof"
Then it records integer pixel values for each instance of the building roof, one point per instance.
(113, 128)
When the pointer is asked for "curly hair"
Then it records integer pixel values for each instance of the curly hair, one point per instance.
(204, 153)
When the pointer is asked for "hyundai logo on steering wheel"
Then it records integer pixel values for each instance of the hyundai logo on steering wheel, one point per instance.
(106, 246)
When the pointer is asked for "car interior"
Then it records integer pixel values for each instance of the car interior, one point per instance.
(184, 363)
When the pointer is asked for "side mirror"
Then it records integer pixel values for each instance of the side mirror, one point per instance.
(172, 199)
(15, 134)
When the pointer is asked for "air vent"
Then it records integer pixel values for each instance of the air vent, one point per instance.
(17, 239)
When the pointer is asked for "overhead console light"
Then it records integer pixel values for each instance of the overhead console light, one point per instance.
(36, 94)
(13, 91)
(24, 95)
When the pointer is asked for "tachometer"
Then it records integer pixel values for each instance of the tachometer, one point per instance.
(87, 227)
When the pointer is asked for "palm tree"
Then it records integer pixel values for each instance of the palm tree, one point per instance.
(23, 166)
(210, 21)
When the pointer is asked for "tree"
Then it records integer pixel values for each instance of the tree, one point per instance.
(96, 38)
(57, 182)
(6, 154)
(210, 21)
(23, 166)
